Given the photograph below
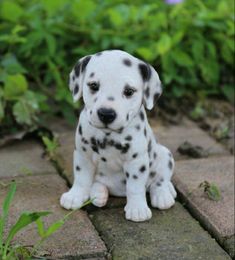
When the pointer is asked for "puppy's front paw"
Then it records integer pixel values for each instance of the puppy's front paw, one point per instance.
(163, 197)
(137, 212)
(73, 199)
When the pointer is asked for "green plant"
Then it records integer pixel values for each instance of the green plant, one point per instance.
(191, 44)
(51, 145)
(8, 251)
(211, 190)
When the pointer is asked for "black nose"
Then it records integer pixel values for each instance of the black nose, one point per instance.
(106, 115)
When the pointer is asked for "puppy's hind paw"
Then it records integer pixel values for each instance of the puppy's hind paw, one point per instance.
(163, 197)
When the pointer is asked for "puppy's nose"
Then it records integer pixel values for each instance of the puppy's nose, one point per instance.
(106, 115)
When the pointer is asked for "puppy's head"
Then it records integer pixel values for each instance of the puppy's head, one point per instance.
(114, 85)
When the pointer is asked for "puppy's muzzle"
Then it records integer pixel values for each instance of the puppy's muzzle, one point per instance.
(106, 115)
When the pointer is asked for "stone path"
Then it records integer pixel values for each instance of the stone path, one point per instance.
(195, 228)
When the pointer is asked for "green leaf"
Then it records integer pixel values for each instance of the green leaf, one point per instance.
(12, 65)
(15, 86)
(164, 44)
(146, 53)
(40, 227)
(24, 220)
(182, 58)
(22, 113)
(228, 91)
(5, 209)
(1, 110)
(213, 192)
(53, 228)
(10, 11)
(83, 9)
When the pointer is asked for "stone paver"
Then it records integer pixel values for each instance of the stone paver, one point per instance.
(171, 234)
(216, 216)
(23, 158)
(174, 135)
(77, 238)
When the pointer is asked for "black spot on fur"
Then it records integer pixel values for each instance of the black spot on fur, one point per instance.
(161, 180)
(118, 146)
(134, 155)
(85, 141)
(156, 97)
(99, 53)
(73, 77)
(78, 168)
(107, 134)
(120, 130)
(123, 182)
(127, 62)
(146, 92)
(84, 149)
(93, 141)
(154, 155)
(125, 148)
(142, 168)
(142, 115)
(150, 164)
(170, 165)
(144, 71)
(135, 177)
(158, 184)
(85, 62)
(152, 174)
(95, 149)
(127, 117)
(77, 69)
(92, 74)
(110, 98)
(76, 88)
(102, 144)
(103, 159)
(80, 129)
(127, 174)
(137, 127)
(145, 132)
(128, 138)
(101, 173)
(149, 146)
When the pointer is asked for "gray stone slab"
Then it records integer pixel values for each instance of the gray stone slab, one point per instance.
(216, 216)
(23, 158)
(172, 136)
(77, 238)
(171, 234)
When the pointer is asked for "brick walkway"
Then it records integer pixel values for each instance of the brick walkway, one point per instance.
(187, 231)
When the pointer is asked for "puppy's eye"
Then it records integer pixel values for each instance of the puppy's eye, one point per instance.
(128, 91)
(94, 86)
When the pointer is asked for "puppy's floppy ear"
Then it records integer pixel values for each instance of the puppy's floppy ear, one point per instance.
(76, 77)
(152, 84)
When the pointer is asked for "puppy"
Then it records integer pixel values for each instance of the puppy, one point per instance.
(116, 151)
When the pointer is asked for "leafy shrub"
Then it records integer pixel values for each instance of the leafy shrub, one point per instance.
(191, 44)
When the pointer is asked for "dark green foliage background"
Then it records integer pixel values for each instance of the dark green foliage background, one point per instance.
(190, 44)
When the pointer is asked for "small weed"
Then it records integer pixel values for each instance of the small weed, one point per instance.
(211, 190)
(51, 146)
(9, 251)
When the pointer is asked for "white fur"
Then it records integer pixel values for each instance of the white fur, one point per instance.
(106, 171)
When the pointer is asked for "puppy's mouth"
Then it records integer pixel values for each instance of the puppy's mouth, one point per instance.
(107, 128)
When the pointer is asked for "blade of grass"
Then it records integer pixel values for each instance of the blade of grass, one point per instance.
(25, 219)
(5, 210)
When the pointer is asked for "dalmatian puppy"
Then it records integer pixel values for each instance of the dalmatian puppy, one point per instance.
(116, 152)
